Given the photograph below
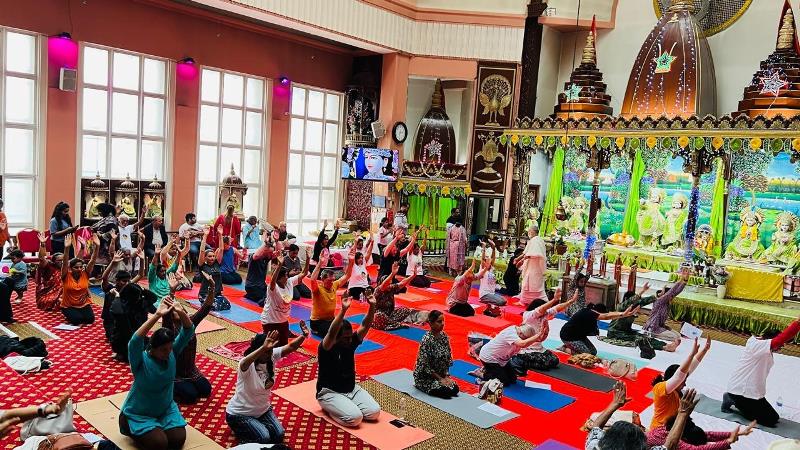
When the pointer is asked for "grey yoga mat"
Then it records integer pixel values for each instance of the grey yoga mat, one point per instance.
(463, 406)
(711, 407)
(580, 377)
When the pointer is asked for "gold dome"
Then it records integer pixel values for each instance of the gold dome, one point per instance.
(127, 185)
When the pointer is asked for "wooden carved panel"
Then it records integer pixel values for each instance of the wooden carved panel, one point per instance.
(489, 161)
(495, 94)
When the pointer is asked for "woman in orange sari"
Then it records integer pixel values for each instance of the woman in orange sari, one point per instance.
(48, 278)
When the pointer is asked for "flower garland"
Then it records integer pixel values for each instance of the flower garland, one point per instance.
(691, 223)
(453, 191)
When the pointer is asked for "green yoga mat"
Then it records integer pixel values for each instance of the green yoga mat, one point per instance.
(711, 407)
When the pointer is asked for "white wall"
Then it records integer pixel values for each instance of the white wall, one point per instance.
(737, 51)
(458, 105)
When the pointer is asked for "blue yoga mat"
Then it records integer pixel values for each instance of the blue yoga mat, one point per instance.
(366, 346)
(96, 290)
(300, 313)
(543, 399)
(236, 314)
(412, 333)
(600, 324)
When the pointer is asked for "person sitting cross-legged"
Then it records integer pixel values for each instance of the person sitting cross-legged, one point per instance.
(432, 370)
(249, 412)
(337, 392)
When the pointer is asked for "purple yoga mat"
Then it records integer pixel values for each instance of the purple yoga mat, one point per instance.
(552, 444)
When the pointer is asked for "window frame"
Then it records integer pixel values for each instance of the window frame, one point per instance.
(109, 134)
(36, 127)
(337, 185)
(243, 147)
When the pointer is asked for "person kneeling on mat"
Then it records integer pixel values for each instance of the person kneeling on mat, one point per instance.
(458, 297)
(249, 412)
(337, 392)
(748, 383)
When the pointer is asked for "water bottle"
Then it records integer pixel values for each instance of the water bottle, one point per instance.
(779, 403)
(401, 412)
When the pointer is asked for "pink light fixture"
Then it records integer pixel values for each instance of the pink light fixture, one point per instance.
(187, 69)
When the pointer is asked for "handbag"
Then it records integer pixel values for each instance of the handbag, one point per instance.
(622, 368)
(491, 391)
(221, 304)
(45, 426)
(646, 350)
(65, 441)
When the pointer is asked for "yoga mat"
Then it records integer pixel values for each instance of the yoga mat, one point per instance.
(366, 346)
(553, 344)
(300, 312)
(785, 428)
(413, 333)
(463, 406)
(411, 297)
(381, 434)
(600, 324)
(580, 377)
(543, 399)
(495, 323)
(236, 314)
(235, 351)
(207, 326)
(103, 414)
(254, 326)
(552, 444)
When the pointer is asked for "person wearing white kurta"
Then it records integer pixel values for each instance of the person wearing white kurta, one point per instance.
(534, 264)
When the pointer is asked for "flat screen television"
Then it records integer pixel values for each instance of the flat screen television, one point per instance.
(373, 164)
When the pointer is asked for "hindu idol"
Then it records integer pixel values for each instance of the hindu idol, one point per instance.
(783, 248)
(746, 244)
(675, 220)
(576, 224)
(650, 220)
(704, 240)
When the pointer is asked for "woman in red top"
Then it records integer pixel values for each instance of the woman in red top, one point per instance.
(76, 303)
(48, 277)
(231, 226)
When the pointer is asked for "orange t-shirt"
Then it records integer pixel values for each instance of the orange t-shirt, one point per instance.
(76, 293)
(664, 405)
(4, 236)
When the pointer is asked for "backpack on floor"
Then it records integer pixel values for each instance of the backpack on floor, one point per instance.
(646, 350)
(491, 391)
(27, 364)
(221, 304)
(30, 346)
(622, 368)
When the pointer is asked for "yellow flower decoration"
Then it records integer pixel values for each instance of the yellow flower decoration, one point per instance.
(445, 190)
(421, 188)
(467, 190)
(651, 142)
(399, 185)
(717, 142)
(591, 140)
(755, 143)
(514, 139)
(538, 140)
(683, 141)
(796, 144)
(620, 141)
(564, 140)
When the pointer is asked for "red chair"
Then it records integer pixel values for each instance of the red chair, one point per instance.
(28, 242)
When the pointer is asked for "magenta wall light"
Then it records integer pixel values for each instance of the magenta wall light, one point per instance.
(62, 52)
(187, 69)
(284, 81)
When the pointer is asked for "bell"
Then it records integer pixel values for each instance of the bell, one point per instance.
(561, 214)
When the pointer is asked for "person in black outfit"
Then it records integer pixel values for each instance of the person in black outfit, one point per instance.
(455, 216)
(154, 230)
(121, 279)
(293, 267)
(323, 243)
(575, 333)
(511, 276)
(337, 392)
(255, 285)
(129, 310)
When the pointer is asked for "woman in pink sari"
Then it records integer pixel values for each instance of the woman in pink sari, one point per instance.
(456, 248)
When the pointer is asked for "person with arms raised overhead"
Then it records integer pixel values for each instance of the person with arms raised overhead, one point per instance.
(337, 391)
(76, 303)
(249, 412)
(278, 304)
(323, 294)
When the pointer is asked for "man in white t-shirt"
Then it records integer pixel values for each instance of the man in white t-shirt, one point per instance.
(192, 231)
(125, 231)
(278, 304)
(748, 383)
(249, 412)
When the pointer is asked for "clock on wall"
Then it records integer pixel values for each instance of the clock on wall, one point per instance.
(399, 132)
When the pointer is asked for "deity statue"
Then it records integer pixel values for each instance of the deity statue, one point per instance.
(783, 248)
(126, 206)
(91, 206)
(704, 240)
(233, 200)
(153, 206)
(650, 220)
(576, 224)
(676, 218)
(746, 244)
(533, 217)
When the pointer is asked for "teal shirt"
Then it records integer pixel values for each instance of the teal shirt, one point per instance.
(159, 286)
(149, 403)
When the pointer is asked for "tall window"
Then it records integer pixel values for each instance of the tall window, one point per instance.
(232, 110)
(19, 125)
(314, 153)
(124, 114)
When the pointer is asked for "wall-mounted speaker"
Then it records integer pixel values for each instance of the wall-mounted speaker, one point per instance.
(68, 79)
(378, 130)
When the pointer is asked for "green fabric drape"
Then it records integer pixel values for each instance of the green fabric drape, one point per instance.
(432, 211)
(717, 220)
(554, 192)
(417, 210)
(629, 224)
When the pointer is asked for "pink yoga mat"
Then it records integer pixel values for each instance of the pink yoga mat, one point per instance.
(495, 323)
(380, 434)
(411, 297)
(207, 326)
